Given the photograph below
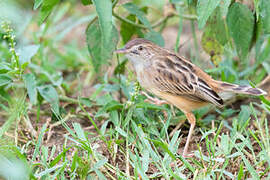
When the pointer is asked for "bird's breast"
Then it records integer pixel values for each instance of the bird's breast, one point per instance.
(143, 76)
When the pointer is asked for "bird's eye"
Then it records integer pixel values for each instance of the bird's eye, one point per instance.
(140, 48)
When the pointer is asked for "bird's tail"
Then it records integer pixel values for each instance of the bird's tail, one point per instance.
(241, 89)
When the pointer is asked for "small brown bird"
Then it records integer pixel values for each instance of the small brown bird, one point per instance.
(176, 80)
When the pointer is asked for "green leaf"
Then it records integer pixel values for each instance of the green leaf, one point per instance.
(121, 131)
(99, 164)
(204, 9)
(133, 9)
(79, 131)
(164, 146)
(50, 94)
(265, 15)
(86, 101)
(37, 4)
(214, 36)
(27, 52)
(4, 67)
(121, 67)
(46, 9)
(104, 11)
(240, 22)
(224, 7)
(86, 2)
(212, 46)
(106, 35)
(127, 30)
(145, 160)
(250, 168)
(100, 52)
(217, 25)
(30, 83)
(241, 172)
(5, 79)
(155, 37)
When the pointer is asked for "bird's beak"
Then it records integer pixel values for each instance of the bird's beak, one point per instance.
(121, 51)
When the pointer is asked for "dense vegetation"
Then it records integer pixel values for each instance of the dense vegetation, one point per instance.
(71, 109)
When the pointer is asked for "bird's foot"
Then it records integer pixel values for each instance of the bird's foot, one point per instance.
(152, 100)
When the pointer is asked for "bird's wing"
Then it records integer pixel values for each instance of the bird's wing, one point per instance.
(177, 76)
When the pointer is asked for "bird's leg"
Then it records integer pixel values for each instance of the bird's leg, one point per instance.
(155, 101)
(192, 120)
(152, 100)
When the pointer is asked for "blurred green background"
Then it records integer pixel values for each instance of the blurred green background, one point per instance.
(71, 109)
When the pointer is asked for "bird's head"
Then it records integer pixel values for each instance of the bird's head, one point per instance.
(139, 50)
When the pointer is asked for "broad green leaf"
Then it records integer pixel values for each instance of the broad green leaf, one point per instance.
(127, 30)
(46, 9)
(224, 6)
(100, 52)
(104, 11)
(133, 9)
(244, 114)
(156, 37)
(217, 25)
(86, 101)
(121, 67)
(13, 167)
(86, 2)
(49, 94)
(204, 9)
(240, 22)
(30, 83)
(175, 1)
(212, 46)
(5, 79)
(265, 14)
(37, 4)
(4, 67)
(214, 36)
(158, 4)
(27, 52)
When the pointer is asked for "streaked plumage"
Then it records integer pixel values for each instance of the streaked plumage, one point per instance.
(177, 80)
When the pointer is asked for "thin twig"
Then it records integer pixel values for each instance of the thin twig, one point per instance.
(12, 136)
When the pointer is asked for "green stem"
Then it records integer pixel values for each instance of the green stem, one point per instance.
(195, 41)
(186, 16)
(180, 28)
(93, 123)
(114, 3)
(38, 112)
(68, 99)
(128, 21)
(160, 22)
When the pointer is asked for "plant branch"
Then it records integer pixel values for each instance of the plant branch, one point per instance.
(160, 22)
(68, 99)
(128, 21)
